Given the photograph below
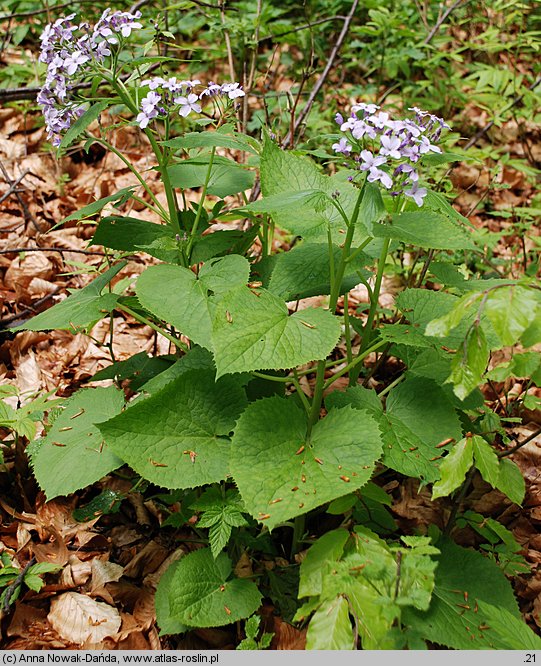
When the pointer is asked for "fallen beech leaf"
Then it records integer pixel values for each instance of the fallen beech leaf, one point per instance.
(287, 637)
(104, 572)
(80, 619)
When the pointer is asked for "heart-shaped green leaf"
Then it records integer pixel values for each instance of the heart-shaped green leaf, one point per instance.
(281, 474)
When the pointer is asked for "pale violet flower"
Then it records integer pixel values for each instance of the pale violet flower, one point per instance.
(369, 109)
(342, 146)
(188, 104)
(425, 146)
(369, 161)
(416, 193)
(374, 139)
(211, 90)
(380, 120)
(232, 90)
(72, 62)
(361, 129)
(375, 174)
(390, 145)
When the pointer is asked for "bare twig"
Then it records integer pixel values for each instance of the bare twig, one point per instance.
(516, 100)
(45, 10)
(19, 316)
(60, 250)
(270, 38)
(443, 18)
(503, 454)
(15, 584)
(319, 84)
(227, 39)
(13, 187)
(26, 212)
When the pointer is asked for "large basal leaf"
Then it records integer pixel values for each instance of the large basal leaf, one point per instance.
(252, 330)
(218, 243)
(164, 619)
(305, 271)
(427, 229)
(511, 310)
(328, 548)
(456, 618)
(418, 417)
(204, 594)
(330, 627)
(73, 454)
(179, 297)
(226, 176)
(133, 235)
(284, 173)
(197, 358)
(515, 632)
(281, 475)
(82, 308)
(453, 468)
(177, 438)
(421, 306)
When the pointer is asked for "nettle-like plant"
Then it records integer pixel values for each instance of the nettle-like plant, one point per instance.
(224, 423)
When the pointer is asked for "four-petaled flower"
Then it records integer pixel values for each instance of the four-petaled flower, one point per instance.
(342, 146)
(398, 144)
(188, 104)
(416, 193)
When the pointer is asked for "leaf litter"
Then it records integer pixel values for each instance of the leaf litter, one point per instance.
(103, 597)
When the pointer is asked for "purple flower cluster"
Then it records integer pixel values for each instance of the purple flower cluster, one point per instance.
(166, 95)
(389, 149)
(69, 50)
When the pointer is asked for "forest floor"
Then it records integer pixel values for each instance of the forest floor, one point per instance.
(116, 561)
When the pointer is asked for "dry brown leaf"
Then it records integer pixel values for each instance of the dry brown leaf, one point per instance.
(80, 619)
(25, 615)
(243, 568)
(104, 572)
(287, 637)
(146, 561)
(29, 378)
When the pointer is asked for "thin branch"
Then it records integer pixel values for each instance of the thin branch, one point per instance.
(26, 212)
(36, 12)
(270, 38)
(516, 100)
(319, 84)
(443, 18)
(19, 316)
(12, 587)
(503, 454)
(60, 250)
(13, 187)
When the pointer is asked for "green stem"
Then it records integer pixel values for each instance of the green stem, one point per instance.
(347, 332)
(367, 330)
(169, 190)
(162, 212)
(161, 157)
(302, 396)
(143, 320)
(298, 532)
(353, 364)
(391, 386)
(333, 300)
(201, 204)
(359, 249)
